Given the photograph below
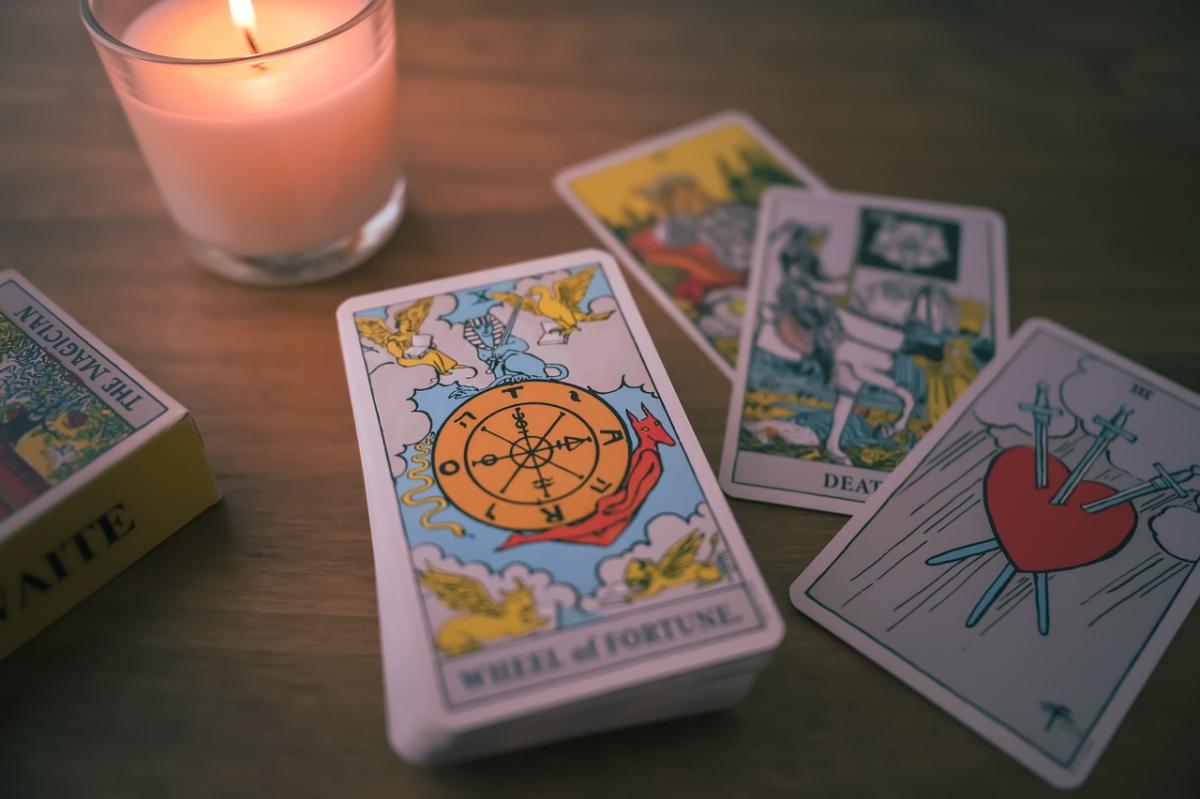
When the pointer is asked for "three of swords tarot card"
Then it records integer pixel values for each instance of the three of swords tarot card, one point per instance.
(546, 526)
(1028, 563)
(680, 211)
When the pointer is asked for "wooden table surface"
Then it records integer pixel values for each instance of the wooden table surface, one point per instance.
(242, 657)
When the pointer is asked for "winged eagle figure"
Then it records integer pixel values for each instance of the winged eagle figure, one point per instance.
(560, 304)
(678, 566)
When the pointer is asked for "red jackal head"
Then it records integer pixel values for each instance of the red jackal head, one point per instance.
(649, 430)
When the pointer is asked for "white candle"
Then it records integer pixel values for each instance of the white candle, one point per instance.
(279, 155)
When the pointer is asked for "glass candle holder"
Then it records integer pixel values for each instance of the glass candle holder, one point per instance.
(269, 126)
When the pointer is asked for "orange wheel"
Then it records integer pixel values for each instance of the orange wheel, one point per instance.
(531, 455)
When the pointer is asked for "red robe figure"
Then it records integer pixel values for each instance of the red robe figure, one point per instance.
(704, 271)
(614, 512)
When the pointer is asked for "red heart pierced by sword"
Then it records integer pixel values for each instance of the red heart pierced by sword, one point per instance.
(1040, 537)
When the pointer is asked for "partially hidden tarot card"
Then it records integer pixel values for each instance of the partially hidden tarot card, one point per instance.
(866, 317)
(1028, 563)
(546, 526)
(680, 211)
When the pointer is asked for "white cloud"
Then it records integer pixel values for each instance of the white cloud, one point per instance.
(1166, 429)
(1177, 530)
(1000, 404)
(550, 597)
(663, 531)
(393, 387)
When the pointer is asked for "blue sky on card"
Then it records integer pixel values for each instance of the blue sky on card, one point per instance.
(677, 492)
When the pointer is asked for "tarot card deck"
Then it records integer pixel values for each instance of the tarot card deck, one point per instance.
(553, 554)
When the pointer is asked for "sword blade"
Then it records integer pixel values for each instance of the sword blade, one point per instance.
(1141, 489)
(512, 318)
(1098, 446)
(1121, 496)
(1041, 440)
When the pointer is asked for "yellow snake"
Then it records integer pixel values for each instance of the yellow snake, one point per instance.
(419, 473)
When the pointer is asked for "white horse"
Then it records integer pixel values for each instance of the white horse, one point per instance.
(858, 344)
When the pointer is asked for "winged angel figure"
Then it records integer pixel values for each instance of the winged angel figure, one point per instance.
(406, 343)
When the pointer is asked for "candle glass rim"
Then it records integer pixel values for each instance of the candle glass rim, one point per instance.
(111, 41)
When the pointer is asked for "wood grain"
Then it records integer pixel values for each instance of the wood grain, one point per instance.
(241, 657)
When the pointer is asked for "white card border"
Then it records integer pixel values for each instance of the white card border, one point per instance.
(773, 197)
(562, 183)
(992, 731)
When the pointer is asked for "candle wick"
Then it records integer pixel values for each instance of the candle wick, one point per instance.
(250, 40)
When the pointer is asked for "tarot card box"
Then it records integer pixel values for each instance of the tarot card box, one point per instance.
(97, 464)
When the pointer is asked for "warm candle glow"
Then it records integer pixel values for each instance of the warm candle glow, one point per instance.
(272, 148)
(242, 12)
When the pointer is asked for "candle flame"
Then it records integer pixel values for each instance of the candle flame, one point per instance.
(242, 12)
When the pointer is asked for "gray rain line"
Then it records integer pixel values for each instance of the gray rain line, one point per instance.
(885, 553)
(1166, 574)
(1134, 576)
(1114, 481)
(1014, 587)
(1178, 567)
(958, 515)
(958, 443)
(1154, 503)
(1160, 501)
(1165, 500)
(1021, 601)
(1145, 505)
(940, 508)
(917, 606)
(1025, 583)
(981, 563)
(954, 444)
(966, 447)
(964, 473)
(1137, 565)
(1112, 474)
(930, 499)
(1016, 599)
(856, 593)
(961, 565)
(940, 458)
(1067, 447)
(901, 560)
(1117, 476)
(933, 518)
(966, 450)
